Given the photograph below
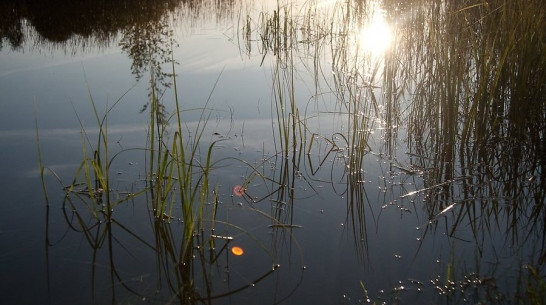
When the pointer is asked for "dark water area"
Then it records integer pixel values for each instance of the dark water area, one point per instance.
(273, 152)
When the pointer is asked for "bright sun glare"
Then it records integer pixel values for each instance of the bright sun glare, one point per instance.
(376, 37)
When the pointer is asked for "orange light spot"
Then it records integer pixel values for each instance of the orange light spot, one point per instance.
(238, 190)
(237, 251)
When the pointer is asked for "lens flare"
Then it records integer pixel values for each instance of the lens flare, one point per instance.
(237, 251)
(377, 36)
(238, 190)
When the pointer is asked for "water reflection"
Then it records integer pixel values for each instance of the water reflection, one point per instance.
(83, 22)
(376, 36)
(143, 28)
(195, 277)
(432, 139)
(457, 82)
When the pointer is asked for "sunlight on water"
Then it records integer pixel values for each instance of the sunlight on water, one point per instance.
(376, 37)
(370, 38)
(214, 141)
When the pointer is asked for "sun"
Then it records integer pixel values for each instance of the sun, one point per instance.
(376, 37)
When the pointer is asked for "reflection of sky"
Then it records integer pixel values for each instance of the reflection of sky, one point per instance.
(57, 83)
(369, 38)
(54, 85)
(56, 80)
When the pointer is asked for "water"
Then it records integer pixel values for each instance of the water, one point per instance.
(363, 180)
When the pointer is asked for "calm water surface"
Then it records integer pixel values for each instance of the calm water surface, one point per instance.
(383, 157)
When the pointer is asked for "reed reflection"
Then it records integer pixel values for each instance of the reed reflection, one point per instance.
(457, 105)
(461, 85)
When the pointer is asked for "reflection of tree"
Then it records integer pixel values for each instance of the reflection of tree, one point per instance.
(61, 20)
(11, 28)
(142, 23)
(144, 26)
(88, 22)
(149, 45)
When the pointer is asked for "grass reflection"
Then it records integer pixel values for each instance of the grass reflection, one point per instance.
(452, 106)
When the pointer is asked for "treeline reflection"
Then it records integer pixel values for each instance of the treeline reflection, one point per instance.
(62, 20)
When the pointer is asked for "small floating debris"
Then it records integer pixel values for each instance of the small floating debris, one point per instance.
(408, 171)
(96, 192)
(221, 237)
(447, 209)
(284, 225)
(277, 201)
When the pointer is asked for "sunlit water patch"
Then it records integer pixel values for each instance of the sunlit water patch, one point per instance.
(376, 36)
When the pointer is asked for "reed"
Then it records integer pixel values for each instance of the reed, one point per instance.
(178, 180)
(471, 80)
(466, 79)
(41, 166)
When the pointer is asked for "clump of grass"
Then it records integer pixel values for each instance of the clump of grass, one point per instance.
(178, 175)
(91, 184)
(478, 114)
(468, 78)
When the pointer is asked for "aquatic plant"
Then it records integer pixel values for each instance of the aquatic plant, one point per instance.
(468, 78)
(472, 98)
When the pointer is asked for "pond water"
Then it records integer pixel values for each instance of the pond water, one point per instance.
(273, 152)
